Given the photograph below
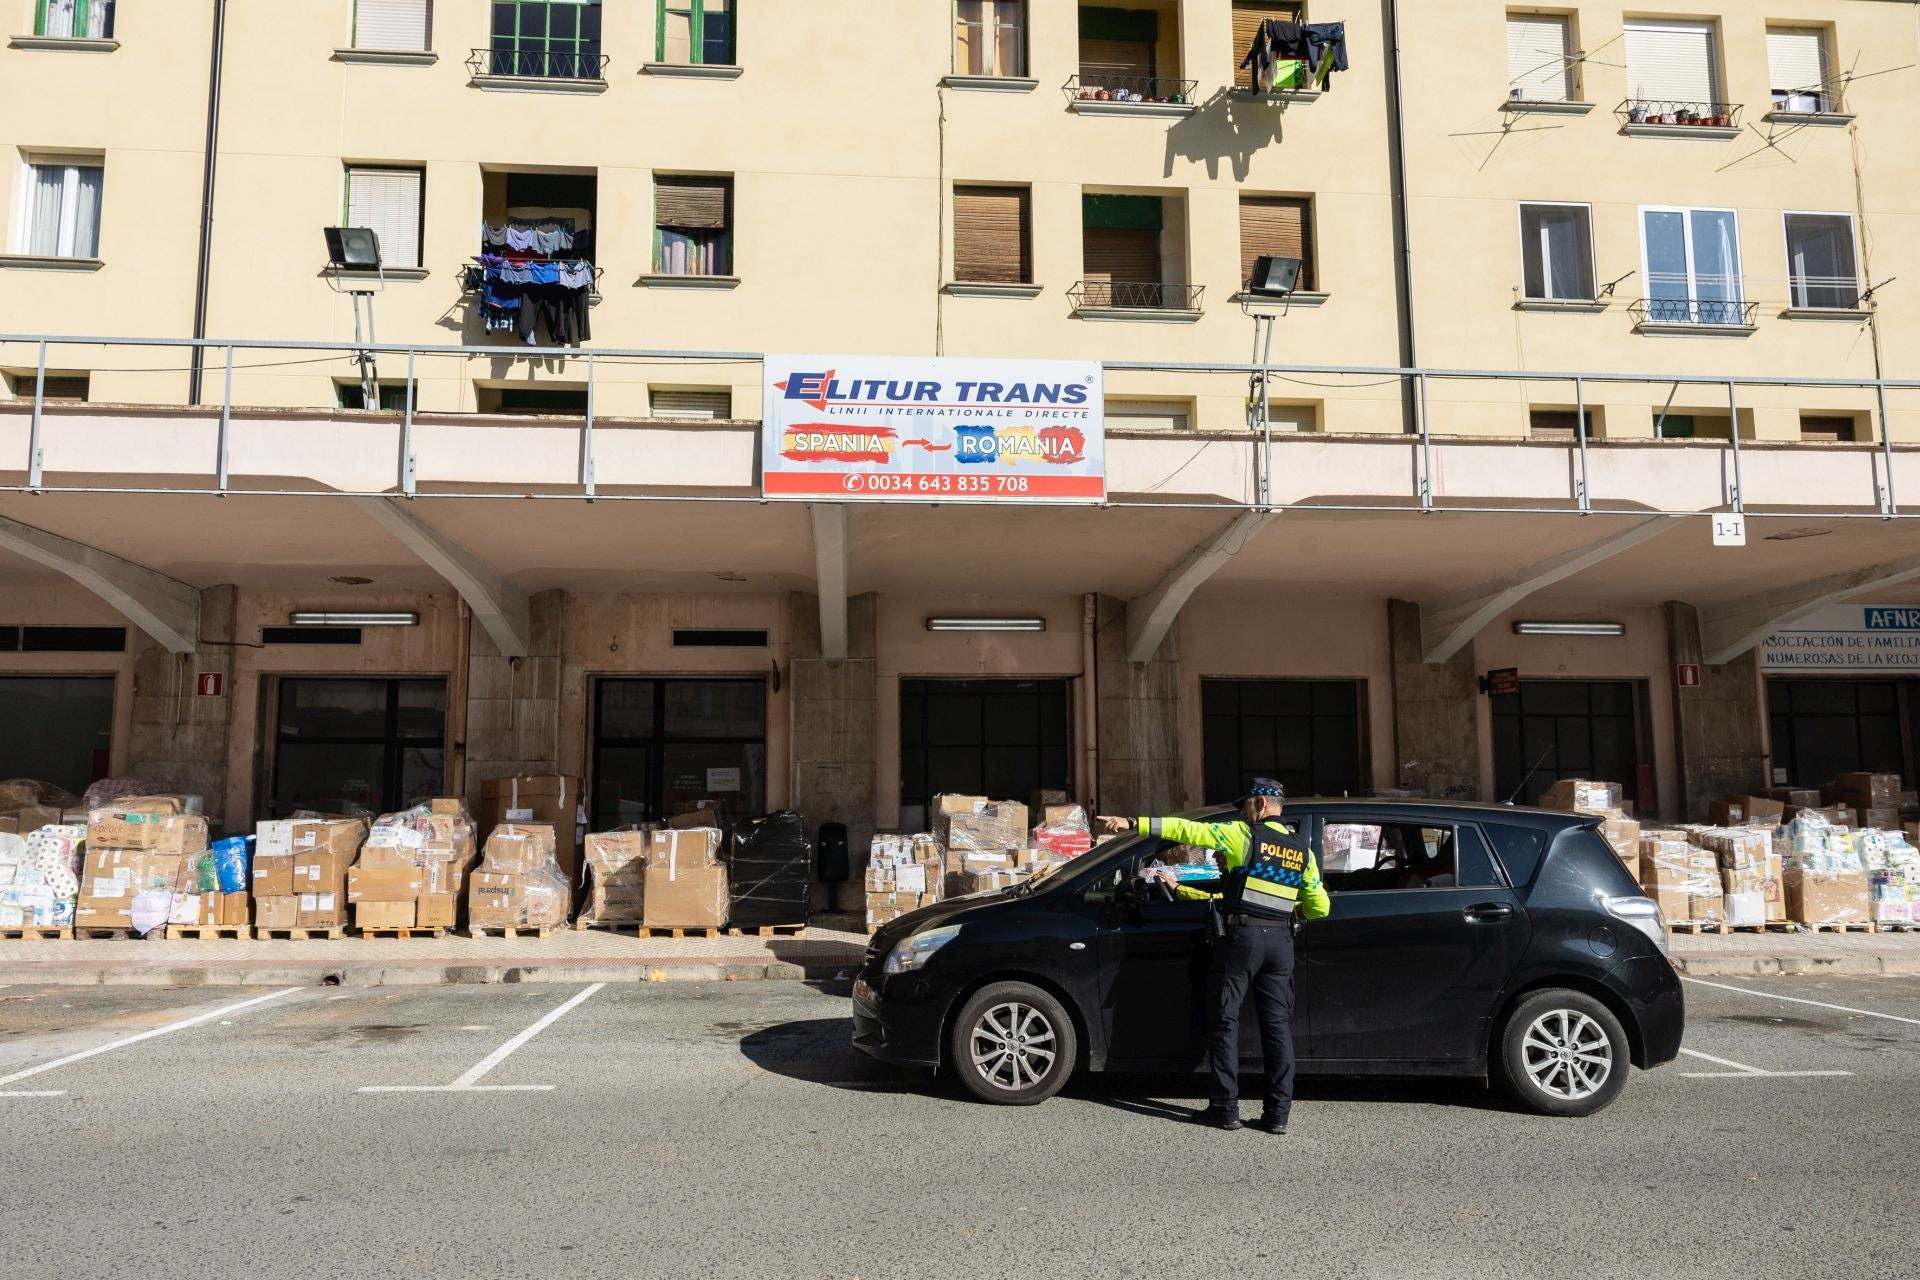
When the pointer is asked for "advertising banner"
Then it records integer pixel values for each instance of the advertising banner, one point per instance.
(1847, 637)
(930, 428)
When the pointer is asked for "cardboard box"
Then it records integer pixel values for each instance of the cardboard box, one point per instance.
(1797, 797)
(375, 914)
(235, 908)
(612, 851)
(1884, 818)
(323, 910)
(1727, 813)
(1623, 836)
(520, 848)
(273, 876)
(1828, 897)
(704, 814)
(1706, 907)
(27, 819)
(552, 798)
(1864, 790)
(122, 828)
(322, 851)
(436, 910)
(495, 900)
(1580, 795)
(278, 912)
(1763, 811)
(688, 848)
(679, 896)
(321, 871)
(385, 884)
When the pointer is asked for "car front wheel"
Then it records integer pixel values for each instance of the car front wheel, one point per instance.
(1563, 1053)
(1013, 1044)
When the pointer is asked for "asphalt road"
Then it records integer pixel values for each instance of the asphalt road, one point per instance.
(718, 1130)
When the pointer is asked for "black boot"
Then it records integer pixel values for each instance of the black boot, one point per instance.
(1227, 1118)
(1271, 1124)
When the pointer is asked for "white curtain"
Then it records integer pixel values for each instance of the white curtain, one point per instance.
(43, 226)
(59, 18)
(99, 13)
(86, 214)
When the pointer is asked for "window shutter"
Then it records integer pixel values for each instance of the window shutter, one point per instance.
(1247, 17)
(1797, 60)
(1671, 62)
(1149, 415)
(1118, 256)
(1540, 56)
(990, 236)
(1291, 417)
(697, 204)
(393, 24)
(1275, 227)
(388, 200)
(1103, 61)
(704, 405)
(1829, 428)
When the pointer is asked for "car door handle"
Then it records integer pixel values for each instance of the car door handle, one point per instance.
(1488, 912)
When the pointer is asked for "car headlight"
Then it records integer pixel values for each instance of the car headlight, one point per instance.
(1643, 914)
(910, 953)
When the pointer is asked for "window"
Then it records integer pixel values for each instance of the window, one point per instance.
(558, 39)
(992, 235)
(1117, 49)
(662, 746)
(1820, 262)
(84, 19)
(393, 25)
(1670, 65)
(388, 201)
(1149, 415)
(981, 738)
(358, 746)
(1120, 250)
(1556, 423)
(1555, 729)
(62, 209)
(1797, 66)
(691, 218)
(1304, 733)
(1358, 857)
(1540, 65)
(696, 32)
(711, 405)
(351, 395)
(1692, 266)
(1556, 250)
(1519, 850)
(65, 388)
(1827, 428)
(990, 38)
(1247, 17)
(59, 728)
(564, 402)
(1824, 727)
(1280, 227)
(1674, 426)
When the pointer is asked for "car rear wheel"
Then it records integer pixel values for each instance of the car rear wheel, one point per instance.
(1563, 1053)
(1013, 1044)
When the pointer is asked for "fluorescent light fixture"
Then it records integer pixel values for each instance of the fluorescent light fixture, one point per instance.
(354, 619)
(986, 624)
(1569, 628)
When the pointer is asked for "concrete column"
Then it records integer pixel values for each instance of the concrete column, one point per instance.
(179, 739)
(1436, 721)
(834, 732)
(1139, 719)
(1719, 729)
(513, 704)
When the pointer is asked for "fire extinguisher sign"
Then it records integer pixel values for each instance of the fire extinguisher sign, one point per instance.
(211, 684)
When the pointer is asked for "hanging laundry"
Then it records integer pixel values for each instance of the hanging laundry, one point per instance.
(1326, 50)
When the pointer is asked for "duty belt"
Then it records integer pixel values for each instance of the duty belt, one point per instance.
(1237, 921)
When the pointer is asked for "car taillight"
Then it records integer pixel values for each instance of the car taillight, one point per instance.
(1643, 914)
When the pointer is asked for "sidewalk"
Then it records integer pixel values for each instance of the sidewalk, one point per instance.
(821, 954)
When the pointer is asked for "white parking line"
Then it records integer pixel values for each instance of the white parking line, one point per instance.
(467, 1083)
(1818, 1004)
(1742, 1071)
(181, 1025)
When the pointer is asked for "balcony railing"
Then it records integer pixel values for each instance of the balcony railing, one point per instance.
(1722, 312)
(539, 64)
(1813, 101)
(1685, 115)
(1136, 90)
(1119, 295)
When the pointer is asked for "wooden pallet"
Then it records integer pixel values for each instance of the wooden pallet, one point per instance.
(1698, 926)
(241, 931)
(609, 926)
(1772, 926)
(679, 931)
(37, 932)
(517, 931)
(1841, 926)
(261, 933)
(402, 931)
(766, 930)
(100, 934)
(1895, 926)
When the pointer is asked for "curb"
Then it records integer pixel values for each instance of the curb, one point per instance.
(415, 975)
(1746, 966)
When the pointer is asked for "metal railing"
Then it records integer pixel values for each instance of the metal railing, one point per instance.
(1823, 293)
(1814, 100)
(1097, 87)
(1689, 115)
(1101, 295)
(539, 64)
(1732, 312)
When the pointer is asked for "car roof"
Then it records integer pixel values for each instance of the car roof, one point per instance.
(1456, 810)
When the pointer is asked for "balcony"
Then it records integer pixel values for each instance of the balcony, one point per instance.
(1124, 300)
(1656, 117)
(1725, 316)
(581, 70)
(1118, 95)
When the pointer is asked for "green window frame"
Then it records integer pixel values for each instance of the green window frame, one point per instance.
(532, 48)
(84, 12)
(710, 32)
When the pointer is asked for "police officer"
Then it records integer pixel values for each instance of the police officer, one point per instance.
(1270, 879)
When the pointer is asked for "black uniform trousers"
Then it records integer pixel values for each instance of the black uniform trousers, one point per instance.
(1257, 958)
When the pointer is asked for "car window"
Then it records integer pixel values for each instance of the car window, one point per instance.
(1518, 848)
(1369, 856)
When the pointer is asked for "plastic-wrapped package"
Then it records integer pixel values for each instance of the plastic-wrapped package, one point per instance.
(686, 884)
(233, 863)
(113, 793)
(1580, 795)
(1066, 832)
(908, 871)
(1683, 878)
(771, 865)
(616, 865)
(520, 884)
(413, 867)
(1828, 897)
(39, 877)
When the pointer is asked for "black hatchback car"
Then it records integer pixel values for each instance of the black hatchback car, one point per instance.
(1465, 940)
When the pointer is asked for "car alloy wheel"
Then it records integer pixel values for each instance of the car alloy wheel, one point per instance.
(1013, 1046)
(1568, 1054)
